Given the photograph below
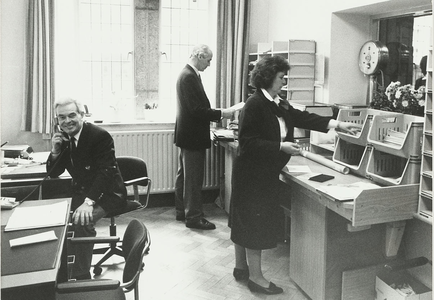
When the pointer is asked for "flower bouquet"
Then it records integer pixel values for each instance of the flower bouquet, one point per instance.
(403, 99)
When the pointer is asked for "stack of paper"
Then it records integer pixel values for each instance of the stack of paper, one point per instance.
(37, 216)
(223, 135)
(8, 202)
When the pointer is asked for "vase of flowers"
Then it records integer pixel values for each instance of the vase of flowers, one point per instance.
(400, 98)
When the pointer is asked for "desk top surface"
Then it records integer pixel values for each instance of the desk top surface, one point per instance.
(37, 265)
(316, 168)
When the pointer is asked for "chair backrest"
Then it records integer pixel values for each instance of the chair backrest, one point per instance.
(132, 167)
(135, 245)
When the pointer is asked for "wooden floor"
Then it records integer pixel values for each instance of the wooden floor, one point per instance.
(192, 264)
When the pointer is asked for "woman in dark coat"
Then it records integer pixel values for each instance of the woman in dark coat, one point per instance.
(266, 143)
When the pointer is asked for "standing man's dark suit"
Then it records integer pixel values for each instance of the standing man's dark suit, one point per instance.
(192, 136)
(192, 128)
(97, 183)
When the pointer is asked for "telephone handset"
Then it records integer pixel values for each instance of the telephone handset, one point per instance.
(58, 129)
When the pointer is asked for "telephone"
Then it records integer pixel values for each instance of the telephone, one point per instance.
(58, 129)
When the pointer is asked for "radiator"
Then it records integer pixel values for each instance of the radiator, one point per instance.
(157, 149)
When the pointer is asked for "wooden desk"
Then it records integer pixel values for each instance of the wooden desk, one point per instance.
(40, 284)
(230, 154)
(18, 181)
(330, 237)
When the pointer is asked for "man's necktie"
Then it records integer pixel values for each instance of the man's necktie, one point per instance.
(200, 81)
(72, 149)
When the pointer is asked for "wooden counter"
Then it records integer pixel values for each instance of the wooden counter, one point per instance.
(230, 153)
(330, 237)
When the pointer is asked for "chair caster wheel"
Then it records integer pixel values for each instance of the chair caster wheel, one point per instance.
(97, 271)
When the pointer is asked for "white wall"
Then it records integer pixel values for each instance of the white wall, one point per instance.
(339, 27)
(13, 21)
(271, 21)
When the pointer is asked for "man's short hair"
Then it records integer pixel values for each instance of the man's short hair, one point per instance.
(68, 100)
(201, 50)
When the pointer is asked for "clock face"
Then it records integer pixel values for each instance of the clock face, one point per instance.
(368, 58)
(371, 56)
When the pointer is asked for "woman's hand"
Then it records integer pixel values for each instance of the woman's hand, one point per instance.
(349, 127)
(290, 148)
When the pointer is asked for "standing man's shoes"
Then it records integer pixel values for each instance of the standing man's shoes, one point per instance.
(201, 224)
(180, 218)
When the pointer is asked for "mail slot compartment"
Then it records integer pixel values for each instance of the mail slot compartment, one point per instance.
(353, 156)
(301, 71)
(361, 117)
(301, 59)
(388, 169)
(399, 134)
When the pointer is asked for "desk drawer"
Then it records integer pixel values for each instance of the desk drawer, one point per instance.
(376, 206)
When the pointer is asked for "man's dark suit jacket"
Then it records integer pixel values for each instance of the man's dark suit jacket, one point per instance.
(93, 168)
(192, 127)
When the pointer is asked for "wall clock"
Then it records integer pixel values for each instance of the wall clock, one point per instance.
(372, 57)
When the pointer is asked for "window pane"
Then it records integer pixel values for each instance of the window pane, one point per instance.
(104, 46)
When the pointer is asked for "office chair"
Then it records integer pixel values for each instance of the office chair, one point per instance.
(135, 245)
(134, 173)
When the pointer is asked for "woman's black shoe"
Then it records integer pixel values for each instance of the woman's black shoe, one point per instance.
(271, 290)
(241, 274)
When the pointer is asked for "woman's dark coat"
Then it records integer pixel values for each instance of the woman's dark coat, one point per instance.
(255, 173)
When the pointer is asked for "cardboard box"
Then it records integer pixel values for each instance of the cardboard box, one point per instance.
(385, 283)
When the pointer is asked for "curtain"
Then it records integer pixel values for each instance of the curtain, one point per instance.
(232, 52)
(39, 80)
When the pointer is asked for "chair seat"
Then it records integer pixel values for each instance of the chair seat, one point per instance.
(117, 294)
(131, 205)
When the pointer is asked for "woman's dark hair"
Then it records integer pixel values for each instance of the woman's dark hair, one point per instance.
(266, 70)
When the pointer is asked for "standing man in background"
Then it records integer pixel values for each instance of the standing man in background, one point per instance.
(87, 152)
(192, 136)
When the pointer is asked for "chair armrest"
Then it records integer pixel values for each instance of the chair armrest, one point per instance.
(136, 180)
(87, 285)
(95, 240)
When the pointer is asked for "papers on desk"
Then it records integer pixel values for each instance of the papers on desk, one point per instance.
(222, 135)
(8, 202)
(347, 192)
(297, 168)
(38, 216)
(40, 157)
(33, 239)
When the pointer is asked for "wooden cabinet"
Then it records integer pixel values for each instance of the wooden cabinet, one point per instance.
(301, 76)
(425, 192)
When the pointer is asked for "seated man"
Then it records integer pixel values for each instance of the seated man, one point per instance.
(87, 152)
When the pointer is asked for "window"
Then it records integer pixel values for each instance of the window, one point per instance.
(122, 57)
(407, 39)
(106, 55)
(183, 25)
